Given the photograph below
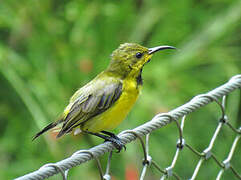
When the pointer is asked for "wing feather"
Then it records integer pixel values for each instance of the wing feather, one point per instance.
(91, 100)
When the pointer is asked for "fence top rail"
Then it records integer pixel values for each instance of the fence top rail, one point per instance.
(156, 122)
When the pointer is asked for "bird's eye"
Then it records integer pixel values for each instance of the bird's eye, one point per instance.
(139, 55)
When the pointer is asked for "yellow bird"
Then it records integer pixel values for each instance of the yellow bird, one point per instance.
(103, 103)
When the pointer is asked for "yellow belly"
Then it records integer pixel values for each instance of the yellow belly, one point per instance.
(112, 117)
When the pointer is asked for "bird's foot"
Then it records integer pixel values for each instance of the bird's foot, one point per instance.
(116, 141)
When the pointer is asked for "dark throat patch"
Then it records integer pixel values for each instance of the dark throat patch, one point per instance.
(139, 80)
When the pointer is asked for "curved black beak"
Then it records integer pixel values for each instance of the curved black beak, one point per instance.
(159, 48)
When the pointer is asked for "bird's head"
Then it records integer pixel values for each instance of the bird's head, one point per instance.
(129, 58)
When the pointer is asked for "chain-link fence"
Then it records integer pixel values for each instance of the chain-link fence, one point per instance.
(157, 122)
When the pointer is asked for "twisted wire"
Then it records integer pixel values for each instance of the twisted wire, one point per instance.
(157, 122)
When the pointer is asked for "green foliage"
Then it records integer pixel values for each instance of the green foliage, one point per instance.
(48, 49)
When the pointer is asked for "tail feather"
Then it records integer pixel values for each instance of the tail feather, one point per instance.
(48, 127)
(61, 133)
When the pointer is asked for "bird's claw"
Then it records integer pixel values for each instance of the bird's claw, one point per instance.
(119, 145)
(116, 141)
(111, 137)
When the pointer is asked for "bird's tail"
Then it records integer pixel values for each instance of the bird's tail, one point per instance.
(48, 127)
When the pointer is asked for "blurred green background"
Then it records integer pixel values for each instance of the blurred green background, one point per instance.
(48, 49)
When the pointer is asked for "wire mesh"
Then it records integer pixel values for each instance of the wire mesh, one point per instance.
(157, 122)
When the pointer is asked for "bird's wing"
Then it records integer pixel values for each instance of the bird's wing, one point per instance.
(91, 100)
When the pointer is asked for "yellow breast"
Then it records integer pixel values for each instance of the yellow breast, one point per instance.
(112, 117)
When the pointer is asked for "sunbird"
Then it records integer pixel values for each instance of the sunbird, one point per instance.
(103, 103)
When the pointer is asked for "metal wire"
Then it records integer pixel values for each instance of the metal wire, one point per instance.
(157, 122)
